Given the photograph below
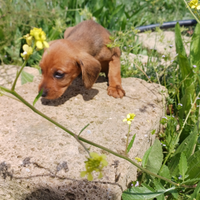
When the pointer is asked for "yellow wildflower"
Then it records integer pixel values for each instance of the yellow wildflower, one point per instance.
(138, 159)
(194, 4)
(40, 38)
(96, 163)
(27, 51)
(129, 118)
(28, 39)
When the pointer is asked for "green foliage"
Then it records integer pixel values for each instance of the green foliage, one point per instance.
(188, 77)
(186, 147)
(37, 97)
(131, 143)
(193, 166)
(183, 168)
(180, 162)
(196, 194)
(183, 165)
(146, 192)
(18, 17)
(26, 77)
(154, 159)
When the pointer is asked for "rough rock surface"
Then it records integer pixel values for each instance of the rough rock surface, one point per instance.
(8, 74)
(45, 162)
(163, 42)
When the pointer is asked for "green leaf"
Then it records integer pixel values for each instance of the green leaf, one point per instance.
(2, 37)
(187, 146)
(144, 193)
(131, 143)
(191, 181)
(26, 77)
(37, 97)
(186, 100)
(119, 9)
(155, 157)
(175, 194)
(182, 57)
(153, 132)
(194, 166)
(186, 78)
(78, 17)
(146, 156)
(194, 48)
(183, 165)
(98, 12)
(173, 165)
(159, 187)
(165, 172)
(196, 192)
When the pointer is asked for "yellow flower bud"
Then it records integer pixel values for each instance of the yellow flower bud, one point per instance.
(28, 39)
(27, 51)
(138, 159)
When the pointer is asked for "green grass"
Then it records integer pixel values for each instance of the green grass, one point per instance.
(18, 17)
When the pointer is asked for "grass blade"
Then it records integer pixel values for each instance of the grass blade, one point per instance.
(37, 97)
(131, 143)
(194, 48)
(184, 64)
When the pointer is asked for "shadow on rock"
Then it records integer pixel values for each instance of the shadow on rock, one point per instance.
(78, 190)
(73, 90)
(45, 194)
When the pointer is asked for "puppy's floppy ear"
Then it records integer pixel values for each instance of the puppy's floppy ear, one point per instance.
(90, 68)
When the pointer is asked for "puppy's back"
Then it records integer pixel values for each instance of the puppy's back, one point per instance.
(89, 36)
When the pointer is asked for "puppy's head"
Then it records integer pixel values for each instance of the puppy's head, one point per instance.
(61, 63)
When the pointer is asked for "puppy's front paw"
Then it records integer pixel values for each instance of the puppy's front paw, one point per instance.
(116, 92)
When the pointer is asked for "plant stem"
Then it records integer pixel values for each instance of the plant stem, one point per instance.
(141, 71)
(17, 76)
(187, 118)
(127, 140)
(191, 11)
(83, 139)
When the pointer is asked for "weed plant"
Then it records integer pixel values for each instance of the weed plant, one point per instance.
(174, 172)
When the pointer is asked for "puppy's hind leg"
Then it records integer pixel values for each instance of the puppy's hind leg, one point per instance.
(114, 75)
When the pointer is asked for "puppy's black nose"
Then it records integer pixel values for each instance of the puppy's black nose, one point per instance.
(44, 93)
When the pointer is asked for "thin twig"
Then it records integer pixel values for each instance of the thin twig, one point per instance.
(142, 71)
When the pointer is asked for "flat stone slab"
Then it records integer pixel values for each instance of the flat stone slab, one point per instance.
(33, 150)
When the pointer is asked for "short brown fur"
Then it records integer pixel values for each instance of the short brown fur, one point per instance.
(83, 50)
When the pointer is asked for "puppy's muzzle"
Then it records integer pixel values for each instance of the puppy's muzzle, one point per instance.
(44, 92)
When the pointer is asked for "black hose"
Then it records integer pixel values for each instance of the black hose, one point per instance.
(165, 25)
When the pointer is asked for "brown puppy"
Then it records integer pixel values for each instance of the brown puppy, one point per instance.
(83, 50)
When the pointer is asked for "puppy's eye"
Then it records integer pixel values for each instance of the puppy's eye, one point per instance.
(58, 75)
